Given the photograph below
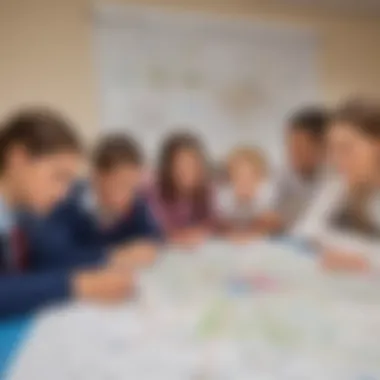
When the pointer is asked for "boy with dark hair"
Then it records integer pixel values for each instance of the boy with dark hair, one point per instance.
(39, 158)
(103, 220)
(305, 148)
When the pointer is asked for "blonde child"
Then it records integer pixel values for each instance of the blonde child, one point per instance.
(244, 204)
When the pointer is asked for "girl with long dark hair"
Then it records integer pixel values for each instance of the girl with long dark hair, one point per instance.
(180, 194)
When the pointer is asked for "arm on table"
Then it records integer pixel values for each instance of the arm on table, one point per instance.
(141, 251)
(54, 246)
(350, 252)
(23, 293)
(314, 226)
(189, 236)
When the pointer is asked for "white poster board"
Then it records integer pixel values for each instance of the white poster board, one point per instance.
(228, 80)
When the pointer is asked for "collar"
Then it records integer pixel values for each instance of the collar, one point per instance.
(7, 217)
(90, 204)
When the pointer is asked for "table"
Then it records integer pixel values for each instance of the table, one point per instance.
(274, 327)
(12, 333)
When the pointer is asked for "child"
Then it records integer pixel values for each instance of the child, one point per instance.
(103, 220)
(180, 195)
(39, 156)
(344, 219)
(298, 182)
(244, 207)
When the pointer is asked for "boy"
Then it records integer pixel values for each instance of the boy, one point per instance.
(39, 156)
(306, 154)
(103, 220)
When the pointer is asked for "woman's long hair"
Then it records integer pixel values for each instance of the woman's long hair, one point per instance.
(167, 187)
(363, 115)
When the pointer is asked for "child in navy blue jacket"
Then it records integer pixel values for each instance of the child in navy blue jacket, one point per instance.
(102, 220)
(39, 157)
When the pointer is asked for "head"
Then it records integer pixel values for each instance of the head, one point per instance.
(182, 167)
(305, 140)
(354, 140)
(117, 169)
(246, 169)
(39, 158)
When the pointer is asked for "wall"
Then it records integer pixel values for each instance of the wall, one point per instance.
(46, 51)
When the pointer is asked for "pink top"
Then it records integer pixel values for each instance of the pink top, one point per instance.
(177, 215)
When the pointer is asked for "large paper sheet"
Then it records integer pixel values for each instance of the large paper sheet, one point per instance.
(263, 311)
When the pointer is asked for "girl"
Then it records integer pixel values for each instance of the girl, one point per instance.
(344, 219)
(244, 206)
(180, 195)
(39, 156)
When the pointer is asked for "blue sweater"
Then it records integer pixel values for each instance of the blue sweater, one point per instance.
(21, 293)
(58, 245)
(21, 290)
(72, 237)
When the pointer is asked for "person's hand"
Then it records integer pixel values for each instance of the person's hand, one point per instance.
(341, 261)
(133, 255)
(120, 258)
(190, 237)
(240, 236)
(102, 285)
(142, 253)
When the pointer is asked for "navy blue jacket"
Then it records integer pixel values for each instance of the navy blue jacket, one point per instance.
(72, 237)
(21, 293)
(58, 245)
(23, 290)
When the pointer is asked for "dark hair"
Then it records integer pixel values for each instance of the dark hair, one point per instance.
(40, 131)
(114, 150)
(167, 187)
(361, 114)
(312, 120)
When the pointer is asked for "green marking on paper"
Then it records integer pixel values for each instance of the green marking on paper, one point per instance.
(213, 320)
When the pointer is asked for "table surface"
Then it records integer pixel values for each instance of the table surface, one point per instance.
(258, 311)
(14, 331)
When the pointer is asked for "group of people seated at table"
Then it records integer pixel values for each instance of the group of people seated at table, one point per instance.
(68, 236)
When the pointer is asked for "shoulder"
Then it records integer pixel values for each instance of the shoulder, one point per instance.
(331, 188)
(223, 194)
(140, 208)
(75, 201)
(267, 191)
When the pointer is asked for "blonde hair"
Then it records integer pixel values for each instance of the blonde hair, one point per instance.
(253, 155)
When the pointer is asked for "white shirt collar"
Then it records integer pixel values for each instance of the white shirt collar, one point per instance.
(6, 216)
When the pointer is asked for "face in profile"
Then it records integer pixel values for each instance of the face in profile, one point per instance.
(305, 152)
(117, 187)
(187, 169)
(45, 180)
(353, 154)
(244, 177)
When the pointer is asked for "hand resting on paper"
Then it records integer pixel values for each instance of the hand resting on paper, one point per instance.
(102, 285)
(189, 237)
(133, 255)
(334, 260)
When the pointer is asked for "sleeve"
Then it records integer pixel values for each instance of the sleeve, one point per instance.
(268, 198)
(223, 204)
(157, 209)
(55, 247)
(52, 243)
(147, 225)
(314, 225)
(24, 293)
